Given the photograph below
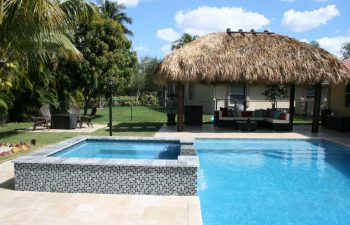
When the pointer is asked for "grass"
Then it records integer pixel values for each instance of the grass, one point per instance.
(139, 114)
(300, 119)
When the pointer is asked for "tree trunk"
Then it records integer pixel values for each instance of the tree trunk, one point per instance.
(86, 104)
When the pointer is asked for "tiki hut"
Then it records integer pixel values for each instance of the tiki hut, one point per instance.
(250, 57)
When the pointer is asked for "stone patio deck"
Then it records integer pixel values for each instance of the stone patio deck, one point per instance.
(84, 129)
(210, 131)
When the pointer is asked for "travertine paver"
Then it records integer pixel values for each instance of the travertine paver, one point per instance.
(210, 131)
(84, 129)
(36, 208)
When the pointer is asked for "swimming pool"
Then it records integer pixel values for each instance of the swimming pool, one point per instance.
(273, 182)
(119, 149)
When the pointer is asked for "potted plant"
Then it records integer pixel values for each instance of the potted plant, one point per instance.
(273, 92)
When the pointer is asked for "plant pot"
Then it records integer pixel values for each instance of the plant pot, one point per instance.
(171, 120)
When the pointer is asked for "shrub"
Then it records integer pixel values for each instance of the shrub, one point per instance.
(148, 99)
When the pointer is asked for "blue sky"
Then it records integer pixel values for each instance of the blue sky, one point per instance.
(159, 22)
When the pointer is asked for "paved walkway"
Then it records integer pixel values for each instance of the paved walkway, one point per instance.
(36, 208)
(84, 129)
(210, 131)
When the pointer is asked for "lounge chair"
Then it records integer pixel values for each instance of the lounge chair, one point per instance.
(43, 120)
(88, 118)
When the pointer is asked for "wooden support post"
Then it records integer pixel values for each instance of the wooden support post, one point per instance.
(180, 107)
(317, 108)
(291, 106)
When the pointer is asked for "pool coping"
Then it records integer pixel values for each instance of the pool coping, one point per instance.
(329, 139)
(187, 158)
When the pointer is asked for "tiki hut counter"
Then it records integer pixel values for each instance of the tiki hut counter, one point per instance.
(251, 57)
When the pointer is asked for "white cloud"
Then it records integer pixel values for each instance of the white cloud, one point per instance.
(333, 44)
(141, 49)
(128, 3)
(206, 19)
(166, 49)
(304, 40)
(168, 34)
(303, 21)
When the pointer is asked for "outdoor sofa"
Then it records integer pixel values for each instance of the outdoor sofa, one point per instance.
(270, 119)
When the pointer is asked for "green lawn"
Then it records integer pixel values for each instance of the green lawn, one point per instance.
(139, 114)
(145, 122)
(300, 119)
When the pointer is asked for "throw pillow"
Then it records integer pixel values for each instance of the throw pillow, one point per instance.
(287, 116)
(234, 113)
(270, 113)
(264, 113)
(247, 114)
(230, 113)
(224, 112)
(258, 113)
(276, 115)
(283, 116)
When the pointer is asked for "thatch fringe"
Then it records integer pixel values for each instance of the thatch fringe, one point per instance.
(268, 58)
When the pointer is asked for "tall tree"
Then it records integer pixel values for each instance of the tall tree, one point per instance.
(184, 39)
(346, 50)
(107, 54)
(148, 66)
(114, 11)
(315, 44)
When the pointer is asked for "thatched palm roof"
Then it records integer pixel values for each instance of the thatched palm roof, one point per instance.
(346, 62)
(258, 57)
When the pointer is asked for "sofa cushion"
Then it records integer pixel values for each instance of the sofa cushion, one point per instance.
(230, 113)
(270, 113)
(283, 116)
(276, 115)
(264, 113)
(224, 112)
(241, 118)
(270, 120)
(247, 113)
(287, 116)
(259, 113)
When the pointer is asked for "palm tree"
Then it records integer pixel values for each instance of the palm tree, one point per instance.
(315, 44)
(184, 39)
(114, 10)
(33, 31)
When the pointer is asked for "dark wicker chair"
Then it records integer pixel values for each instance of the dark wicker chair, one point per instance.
(43, 120)
(88, 118)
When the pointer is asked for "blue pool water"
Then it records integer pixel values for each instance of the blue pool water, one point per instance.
(273, 182)
(122, 150)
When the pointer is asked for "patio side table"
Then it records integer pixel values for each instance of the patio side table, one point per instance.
(64, 121)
